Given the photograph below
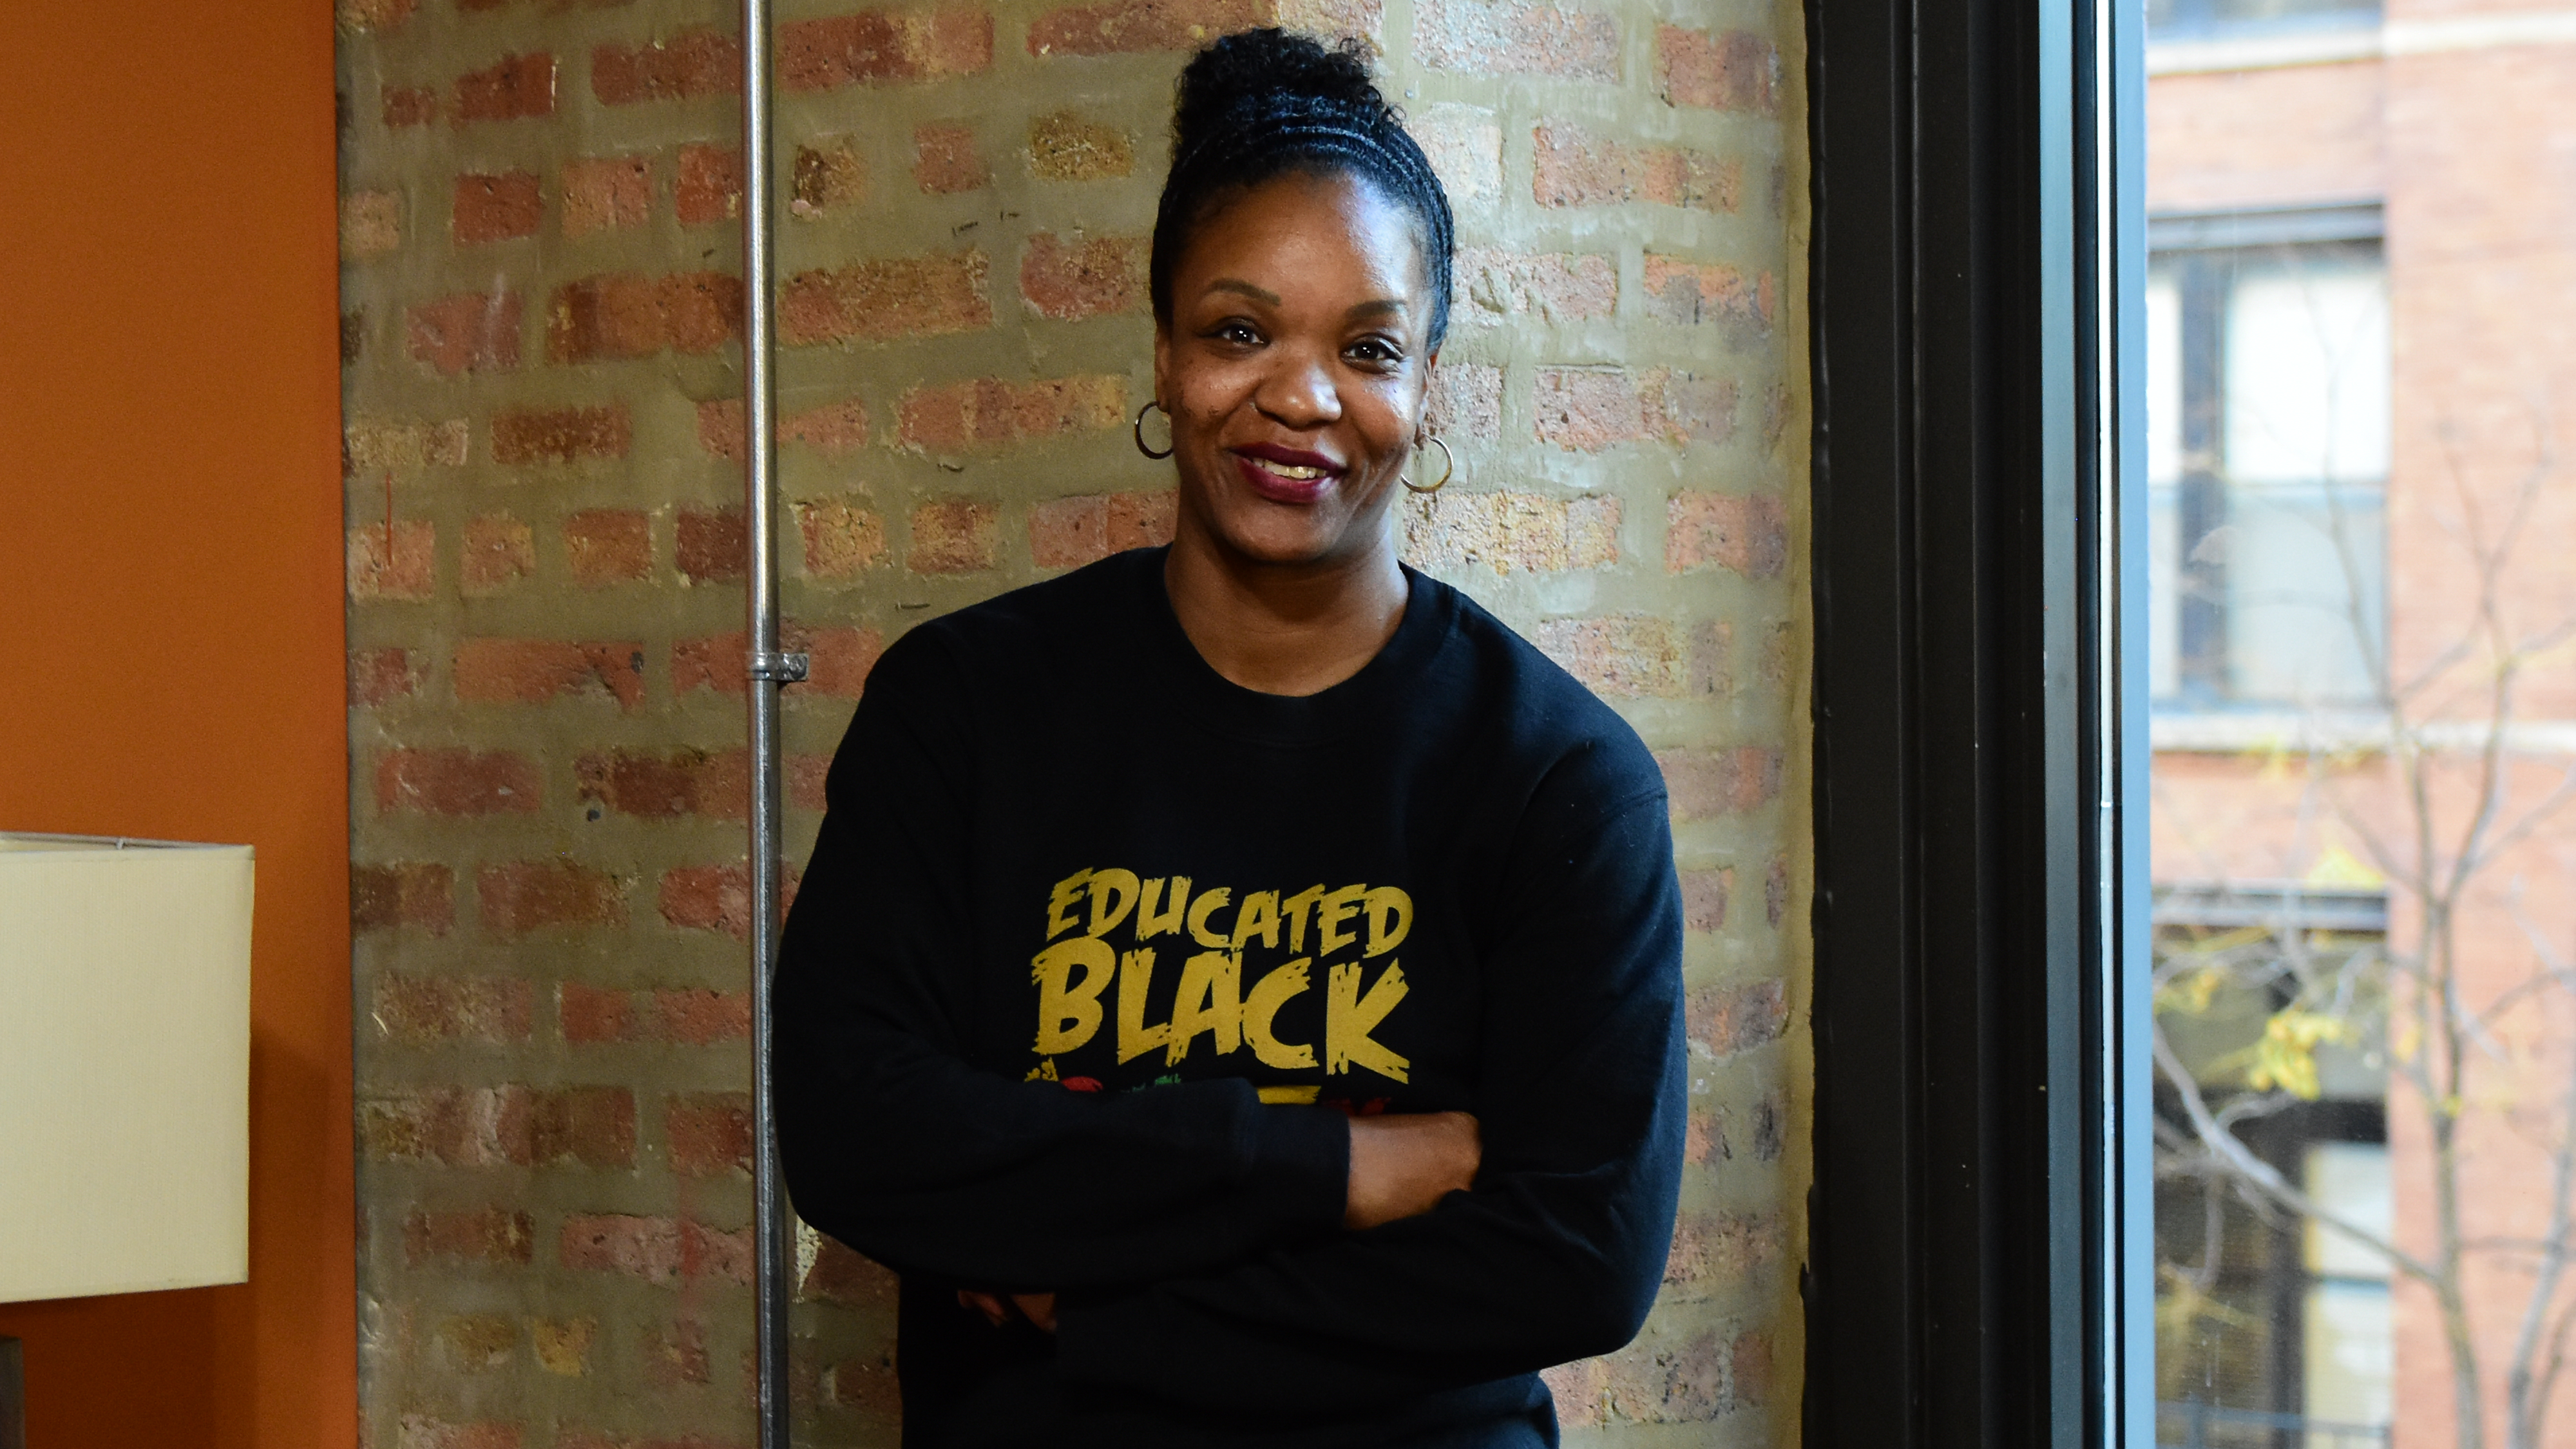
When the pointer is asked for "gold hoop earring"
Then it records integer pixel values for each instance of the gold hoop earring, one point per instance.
(1155, 406)
(1446, 457)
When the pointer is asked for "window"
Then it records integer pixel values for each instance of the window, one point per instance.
(2198, 19)
(2267, 457)
(2270, 1323)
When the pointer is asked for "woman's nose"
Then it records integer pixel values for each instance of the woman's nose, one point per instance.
(1300, 393)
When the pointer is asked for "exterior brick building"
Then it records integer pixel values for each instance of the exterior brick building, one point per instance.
(2431, 141)
(540, 337)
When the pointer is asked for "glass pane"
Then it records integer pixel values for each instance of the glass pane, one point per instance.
(2307, 373)
(2305, 576)
(2164, 381)
(2362, 657)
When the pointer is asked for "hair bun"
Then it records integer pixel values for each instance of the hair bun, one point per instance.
(1257, 72)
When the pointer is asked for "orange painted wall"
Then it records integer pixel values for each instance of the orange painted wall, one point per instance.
(171, 654)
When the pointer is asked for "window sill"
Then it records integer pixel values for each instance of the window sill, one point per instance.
(2182, 732)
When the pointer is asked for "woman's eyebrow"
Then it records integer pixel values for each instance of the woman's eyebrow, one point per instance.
(1379, 308)
(1262, 295)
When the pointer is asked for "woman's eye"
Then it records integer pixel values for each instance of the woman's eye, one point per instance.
(1240, 333)
(1373, 352)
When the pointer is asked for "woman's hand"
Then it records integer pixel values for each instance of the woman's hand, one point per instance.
(1402, 1164)
(997, 1308)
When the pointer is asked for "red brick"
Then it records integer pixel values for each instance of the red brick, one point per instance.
(1737, 1018)
(1758, 1131)
(514, 87)
(605, 193)
(834, 429)
(1130, 26)
(1575, 167)
(400, 566)
(420, 1431)
(1555, 288)
(533, 895)
(418, 894)
(535, 671)
(691, 782)
(571, 1438)
(1688, 292)
(1722, 1249)
(373, 446)
(1466, 400)
(402, 106)
(840, 659)
(867, 1384)
(709, 1133)
(884, 45)
(840, 538)
(465, 332)
(1704, 898)
(445, 1008)
(592, 1126)
(362, 17)
(926, 296)
(713, 898)
(1091, 278)
(945, 160)
(656, 1249)
(674, 1354)
(1705, 784)
(695, 1016)
(1775, 891)
(510, 1125)
(710, 185)
(1749, 1370)
(588, 1014)
(1588, 409)
(1517, 37)
(353, 336)
(711, 545)
(380, 676)
(370, 223)
(952, 536)
(1066, 532)
(1144, 519)
(1733, 71)
(608, 546)
(1066, 146)
(456, 782)
(1512, 532)
(697, 63)
(492, 1235)
(1747, 534)
(562, 435)
(499, 551)
(990, 411)
(1622, 655)
(843, 1276)
(1666, 1380)
(497, 208)
(628, 314)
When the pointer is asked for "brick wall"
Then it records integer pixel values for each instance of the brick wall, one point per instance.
(541, 311)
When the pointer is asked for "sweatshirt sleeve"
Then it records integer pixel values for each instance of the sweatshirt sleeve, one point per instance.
(1557, 1252)
(894, 1143)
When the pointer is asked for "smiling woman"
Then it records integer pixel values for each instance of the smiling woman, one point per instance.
(1237, 985)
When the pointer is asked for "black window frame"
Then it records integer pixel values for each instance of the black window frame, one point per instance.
(1980, 1225)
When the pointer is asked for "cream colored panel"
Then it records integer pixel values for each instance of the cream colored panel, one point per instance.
(124, 1067)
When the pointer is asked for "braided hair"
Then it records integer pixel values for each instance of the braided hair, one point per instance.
(1260, 103)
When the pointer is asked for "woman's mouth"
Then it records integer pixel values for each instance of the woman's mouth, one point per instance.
(1285, 476)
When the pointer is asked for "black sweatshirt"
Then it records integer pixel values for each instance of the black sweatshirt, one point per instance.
(1097, 949)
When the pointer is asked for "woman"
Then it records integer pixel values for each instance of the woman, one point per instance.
(1237, 985)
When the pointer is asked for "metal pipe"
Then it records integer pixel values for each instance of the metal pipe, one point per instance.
(769, 671)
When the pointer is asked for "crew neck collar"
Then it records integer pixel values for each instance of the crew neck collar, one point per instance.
(1282, 719)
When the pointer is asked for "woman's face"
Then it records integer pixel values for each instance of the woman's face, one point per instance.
(1294, 368)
